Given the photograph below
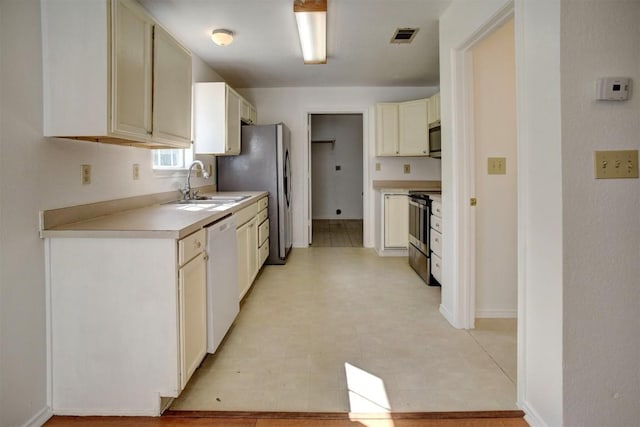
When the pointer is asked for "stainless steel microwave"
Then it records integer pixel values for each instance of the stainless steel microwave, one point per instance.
(434, 140)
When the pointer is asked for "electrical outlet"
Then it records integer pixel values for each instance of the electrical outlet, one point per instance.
(210, 169)
(497, 166)
(407, 168)
(136, 171)
(616, 164)
(86, 174)
(377, 166)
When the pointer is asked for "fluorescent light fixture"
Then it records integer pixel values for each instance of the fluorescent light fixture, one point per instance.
(222, 37)
(311, 17)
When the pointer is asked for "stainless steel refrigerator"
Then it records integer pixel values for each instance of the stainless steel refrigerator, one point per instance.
(264, 164)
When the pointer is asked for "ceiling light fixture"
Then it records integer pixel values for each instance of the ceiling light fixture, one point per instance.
(311, 17)
(222, 37)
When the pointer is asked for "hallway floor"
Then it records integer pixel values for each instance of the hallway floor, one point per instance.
(341, 329)
(336, 233)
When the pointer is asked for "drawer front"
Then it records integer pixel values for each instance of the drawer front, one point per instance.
(264, 252)
(436, 267)
(436, 242)
(263, 232)
(191, 246)
(246, 214)
(436, 223)
(264, 214)
(263, 203)
(436, 208)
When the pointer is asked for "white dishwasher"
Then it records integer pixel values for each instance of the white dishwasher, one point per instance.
(222, 281)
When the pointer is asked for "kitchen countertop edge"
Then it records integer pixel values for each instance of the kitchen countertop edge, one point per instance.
(98, 227)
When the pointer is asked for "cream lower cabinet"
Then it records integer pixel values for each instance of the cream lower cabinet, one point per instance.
(113, 75)
(192, 296)
(247, 236)
(396, 221)
(252, 236)
(126, 321)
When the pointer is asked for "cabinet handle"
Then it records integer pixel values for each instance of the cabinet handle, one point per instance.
(197, 244)
(206, 256)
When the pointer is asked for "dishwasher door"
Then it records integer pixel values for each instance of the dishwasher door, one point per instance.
(223, 302)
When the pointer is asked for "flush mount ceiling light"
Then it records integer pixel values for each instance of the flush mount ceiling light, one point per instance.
(222, 37)
(311, 17)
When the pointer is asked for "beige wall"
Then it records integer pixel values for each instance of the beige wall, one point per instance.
(601, 218)
(495, 136)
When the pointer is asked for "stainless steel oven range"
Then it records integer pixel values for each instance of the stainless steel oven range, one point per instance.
(419, 217)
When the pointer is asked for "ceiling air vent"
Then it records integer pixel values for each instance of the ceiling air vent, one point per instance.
(404, 35)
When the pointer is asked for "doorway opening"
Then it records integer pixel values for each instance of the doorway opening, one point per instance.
(336, 180)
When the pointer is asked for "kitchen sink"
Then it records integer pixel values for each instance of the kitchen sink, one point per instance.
(224, 199)
(210, 200)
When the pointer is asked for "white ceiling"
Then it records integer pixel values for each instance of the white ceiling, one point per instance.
(266, 51)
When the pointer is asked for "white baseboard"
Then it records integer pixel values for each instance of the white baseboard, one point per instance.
(40, 418)
(393, 252)
(531, 416)
(447, 315)
(496, 314)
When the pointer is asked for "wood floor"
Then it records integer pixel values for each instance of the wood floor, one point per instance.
(279, 419)
(337, 233)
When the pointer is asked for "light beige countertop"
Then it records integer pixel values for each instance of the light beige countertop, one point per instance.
(407, 185)
(168, 220)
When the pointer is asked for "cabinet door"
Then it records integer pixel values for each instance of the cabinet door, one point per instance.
(254, 115)
(396, 221)
(245, 111)
(242, 240)
(233, 122)
(253, 252)
(414, 131)
(434, 113)
(192, 288)
(131, 71)
(171, 91)
(387, 129)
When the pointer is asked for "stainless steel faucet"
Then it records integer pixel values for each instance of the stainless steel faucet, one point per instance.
(186, 193)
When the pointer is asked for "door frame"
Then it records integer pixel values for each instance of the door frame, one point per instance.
(366, 190)
(462, 64)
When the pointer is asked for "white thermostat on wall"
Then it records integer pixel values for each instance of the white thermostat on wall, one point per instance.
(612, 89)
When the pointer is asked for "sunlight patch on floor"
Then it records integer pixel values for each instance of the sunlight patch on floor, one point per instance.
(367, 395)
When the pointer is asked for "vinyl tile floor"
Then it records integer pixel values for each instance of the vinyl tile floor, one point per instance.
(341, 329)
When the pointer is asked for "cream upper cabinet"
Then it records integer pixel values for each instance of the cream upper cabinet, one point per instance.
(106, 79)
(434, 108)
(132, 71)
(387, 129)
(172, 90)
(396, 221)
(234, 103)
(413, 128)
(402, 129)
(218, 112)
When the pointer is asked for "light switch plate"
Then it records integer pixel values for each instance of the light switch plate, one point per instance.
(615, 164)
(497, 166)
(407, 168)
